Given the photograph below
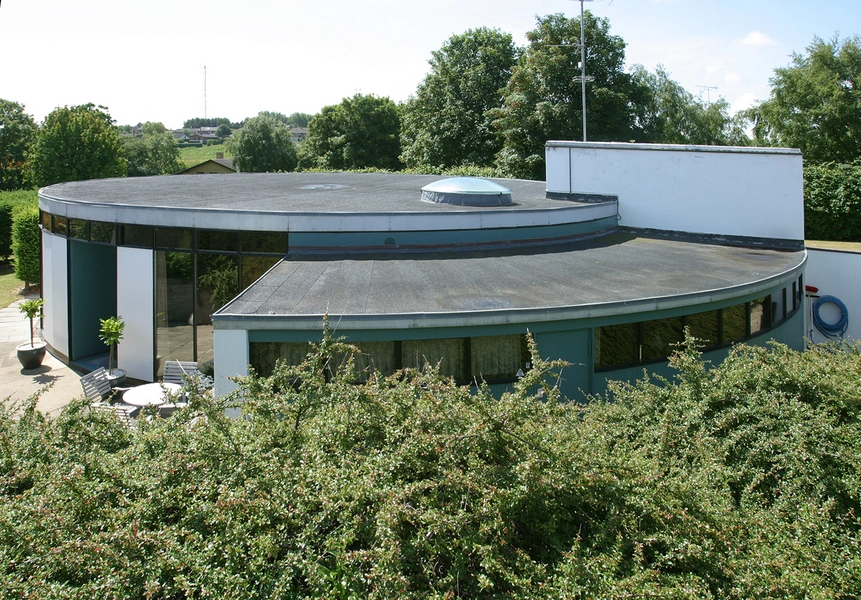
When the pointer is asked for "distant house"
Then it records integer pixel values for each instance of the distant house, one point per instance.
(219, 164)
(299, 133)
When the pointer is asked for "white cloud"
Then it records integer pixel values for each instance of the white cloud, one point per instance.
(756, 38)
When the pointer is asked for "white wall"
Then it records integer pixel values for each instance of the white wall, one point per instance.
(135, 303)
(55, 291)
(836, 273)
(231, 358)
(756, 192)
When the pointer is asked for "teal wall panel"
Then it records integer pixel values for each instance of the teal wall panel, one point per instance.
(92, 295)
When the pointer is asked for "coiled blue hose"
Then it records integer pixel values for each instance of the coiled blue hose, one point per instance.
(830, 329)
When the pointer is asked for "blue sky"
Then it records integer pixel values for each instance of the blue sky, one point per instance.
(145, 60)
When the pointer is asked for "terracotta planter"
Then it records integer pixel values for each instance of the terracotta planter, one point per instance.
(31, 356)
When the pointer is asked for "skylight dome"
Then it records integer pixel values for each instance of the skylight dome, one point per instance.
(467, 191)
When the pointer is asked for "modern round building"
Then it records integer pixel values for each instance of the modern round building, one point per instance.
(605, 264)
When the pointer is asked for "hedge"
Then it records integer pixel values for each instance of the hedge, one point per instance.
(26, 243)
(832, 202)
(8, 202)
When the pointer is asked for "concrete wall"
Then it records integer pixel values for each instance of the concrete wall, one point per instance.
(231, 358)
(836, 273)
(135, 303)
(55, 291)
(756, 192)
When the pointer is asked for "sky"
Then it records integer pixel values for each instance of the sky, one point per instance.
(146, 61)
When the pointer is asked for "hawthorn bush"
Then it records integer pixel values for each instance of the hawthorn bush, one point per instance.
(739, 481)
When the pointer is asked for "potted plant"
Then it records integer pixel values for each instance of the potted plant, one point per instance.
(31, 355)
(111, 333)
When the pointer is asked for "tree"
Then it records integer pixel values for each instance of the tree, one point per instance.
(815, 103)
(150, 128)
(17, 134)
(78, 142)
(223, 131)
(152, 154)
(672, 115)
(264, 144)
(275, 115)
(361, 132)
(297, 119)
(447, 123)
(542, 100)
(198, 122)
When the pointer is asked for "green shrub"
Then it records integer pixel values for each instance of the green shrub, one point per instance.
(739, 481)
(26, 244)
(8, 202)
(832, 202)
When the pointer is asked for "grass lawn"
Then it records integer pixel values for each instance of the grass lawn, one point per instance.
(10, 286)
(194, 156)
(850, 246)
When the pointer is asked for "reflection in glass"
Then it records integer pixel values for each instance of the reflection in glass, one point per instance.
(46, 221)
(616, 345)
(103, 232)
(225, 241)
(217, 284)
(137, 235)
(179, 239)
(734, 323)
(61, 225)
(78, 229)
(253, 267)
(270, 242)
(704, 327)
(661, 336)
(174, 307)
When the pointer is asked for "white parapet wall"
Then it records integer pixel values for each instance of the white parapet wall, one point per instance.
(835, 273)
(716, 190)
(231, 358)
(55, 292)
(135, 304)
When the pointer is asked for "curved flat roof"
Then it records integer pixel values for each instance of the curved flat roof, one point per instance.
(618, 273)
(306, 202)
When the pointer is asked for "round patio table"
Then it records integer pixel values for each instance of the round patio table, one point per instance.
(150, 394)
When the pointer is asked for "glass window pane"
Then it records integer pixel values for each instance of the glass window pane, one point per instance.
(253, 267)
(660, 337)
(616, 345)
(137, 235)
(448, 353)
(374, 357)
(496, 357)
(179, 239)
(225, 241)
(61, 225)
(760, 314)
(734, 323)
(78, 229)
(46, 221)
(269, 242)
(174, 307)
(105, 233)
(217, 284)
(704, 327)
(264, 355)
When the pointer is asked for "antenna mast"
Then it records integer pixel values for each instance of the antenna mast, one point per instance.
(204, 91)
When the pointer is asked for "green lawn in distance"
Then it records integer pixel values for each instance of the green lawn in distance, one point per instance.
(195, 156)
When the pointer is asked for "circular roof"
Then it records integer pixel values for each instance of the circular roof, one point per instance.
(467, 191)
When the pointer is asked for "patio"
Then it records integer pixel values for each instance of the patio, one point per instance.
(16, 384)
